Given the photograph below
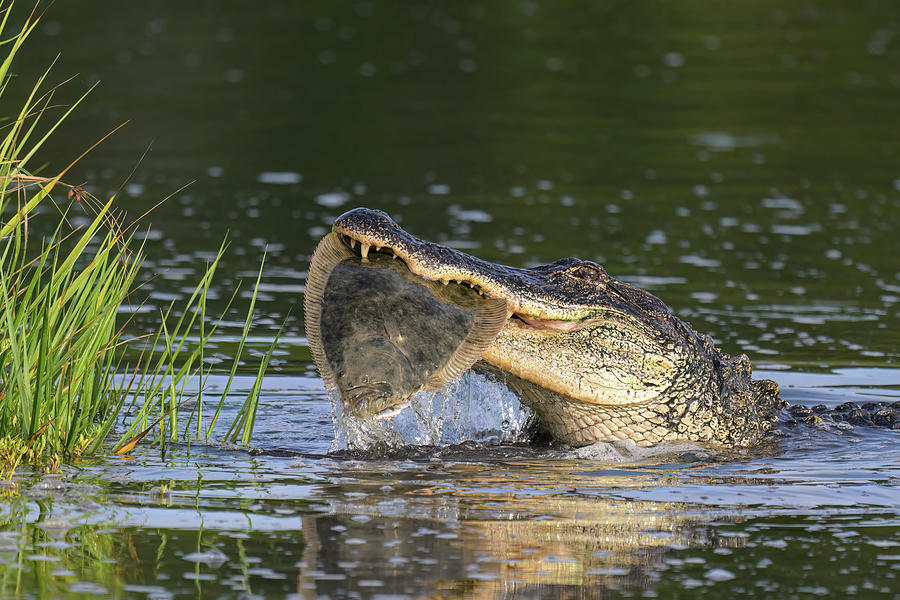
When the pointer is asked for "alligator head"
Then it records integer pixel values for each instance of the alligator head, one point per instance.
(597, 359)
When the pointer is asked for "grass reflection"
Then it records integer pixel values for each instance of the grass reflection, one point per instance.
(49, 548)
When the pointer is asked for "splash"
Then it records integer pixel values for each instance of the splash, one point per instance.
(470, 408)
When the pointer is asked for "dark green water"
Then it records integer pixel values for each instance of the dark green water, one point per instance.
(740, 160)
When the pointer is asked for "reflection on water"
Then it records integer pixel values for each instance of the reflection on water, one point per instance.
(491, 527)
(810, 513)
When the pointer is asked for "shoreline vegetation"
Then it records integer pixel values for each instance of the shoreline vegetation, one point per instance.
(65, 379)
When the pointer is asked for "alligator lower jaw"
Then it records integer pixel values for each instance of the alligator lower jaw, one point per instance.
(362, 246)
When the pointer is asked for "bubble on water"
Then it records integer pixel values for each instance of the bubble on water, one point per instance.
(720, 575)
(728, 222)
(438, 189)
(55, 528)
(323, 23)
(796, 229)
(225, 34)
(43, 558)
(704, 297)
(63, 573)
(332, 199)
(279, 177)
(673, 59)
(469, 215)
(657, 237)
(641, 70)
(88, 587)
(712, 42)
(233, 75)
(415, 58)
(52, 28)
(554, 64)
(211, 558)
(699, 261)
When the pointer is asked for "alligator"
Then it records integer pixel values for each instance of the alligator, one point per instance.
(596, 359)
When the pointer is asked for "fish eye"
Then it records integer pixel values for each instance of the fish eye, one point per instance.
(588, 271)
(364, 379)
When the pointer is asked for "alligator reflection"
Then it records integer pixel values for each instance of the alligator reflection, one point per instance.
(488, 530)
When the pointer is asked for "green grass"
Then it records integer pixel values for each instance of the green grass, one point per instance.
(63, 380)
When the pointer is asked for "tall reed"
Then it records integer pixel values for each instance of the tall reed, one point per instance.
(63, 379)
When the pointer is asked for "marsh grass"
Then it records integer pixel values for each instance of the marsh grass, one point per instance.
(64, 382)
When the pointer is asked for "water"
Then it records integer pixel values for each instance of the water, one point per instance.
(811, 513)
(739, 161)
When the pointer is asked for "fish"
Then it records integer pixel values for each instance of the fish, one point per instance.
(379, 334)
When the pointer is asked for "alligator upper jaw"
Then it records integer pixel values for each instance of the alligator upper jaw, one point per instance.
(365, 230)
(517, 312)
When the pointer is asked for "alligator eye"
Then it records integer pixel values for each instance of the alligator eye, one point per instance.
(589, 272)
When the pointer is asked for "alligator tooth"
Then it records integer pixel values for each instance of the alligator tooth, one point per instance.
(445, 281)
(352, 243)
(364, 250)
(395, 255)
(377, 248)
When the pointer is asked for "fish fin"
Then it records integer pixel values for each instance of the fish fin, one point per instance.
(329, 253)
(490, 317)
